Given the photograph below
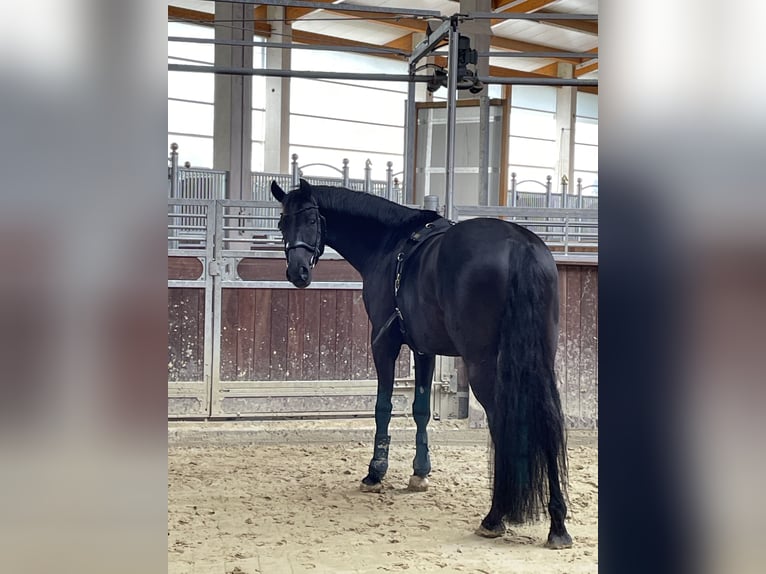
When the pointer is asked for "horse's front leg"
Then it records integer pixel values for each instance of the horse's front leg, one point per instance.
(385, 360)
(421, 412)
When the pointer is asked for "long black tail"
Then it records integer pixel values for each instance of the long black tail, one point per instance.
(528, 421)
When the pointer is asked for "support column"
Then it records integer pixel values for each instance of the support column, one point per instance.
(277, 117)
(480, 32)
(566, 104)
(415, 93)
(232, 127)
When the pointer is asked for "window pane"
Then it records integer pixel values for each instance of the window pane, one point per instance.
(495, 91)
(332, 100)
(587, 105)
(345, 135)
(191, 86)
(347, 62)
(256, 156)
(258, 130)
(535, 153)
(202, 52)
(586, 157)
(196, 150)
(189, 118)
(534, 97)
(586, 131)
(533, 124)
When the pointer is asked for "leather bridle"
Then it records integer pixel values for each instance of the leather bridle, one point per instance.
(318, 248)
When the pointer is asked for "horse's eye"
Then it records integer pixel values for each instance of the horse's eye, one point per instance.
(312, 220)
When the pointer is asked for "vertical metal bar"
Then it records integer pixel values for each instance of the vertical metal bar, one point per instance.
(398, 191)
(410, 129)
(564, 196)
(514, 199)
(295, 171)
(345, 172)
(173, 170)
(213, 280)
(548, 185)
(208, 374)
(484, 149)
(367, 176)
(449, 164)
(390, 180)
(579, 193)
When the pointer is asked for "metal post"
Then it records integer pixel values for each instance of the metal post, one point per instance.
(410, 128)
(579, 192)
(296, 174)
(484, 150)
(513, 189)
(345, 172)
(173, 170)
(564, 197)
(367, 176)
(548, 185)
(431, 202)
(397, 191)
(449, 164)
(390, 180)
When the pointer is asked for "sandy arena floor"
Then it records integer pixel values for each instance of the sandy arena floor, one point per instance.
(245, 507)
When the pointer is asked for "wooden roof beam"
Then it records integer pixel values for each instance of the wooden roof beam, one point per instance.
(208, 19)
(585, 68)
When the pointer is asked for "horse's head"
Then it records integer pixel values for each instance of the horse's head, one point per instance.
(303, 231)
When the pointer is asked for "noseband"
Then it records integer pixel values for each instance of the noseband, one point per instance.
(318, 248)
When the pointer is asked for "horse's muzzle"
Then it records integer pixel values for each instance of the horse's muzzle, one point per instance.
(299, 275)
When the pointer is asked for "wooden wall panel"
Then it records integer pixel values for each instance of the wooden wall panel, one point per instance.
(359, 340)
(262, 335)
(279, 307)
(186, 334)
(588, 385)
(295, 334)
(311, 326)
(245, 334)
(229, 321)
(343, 324)
(327, 340)
(572, 343)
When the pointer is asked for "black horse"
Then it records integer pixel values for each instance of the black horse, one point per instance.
(483, 289)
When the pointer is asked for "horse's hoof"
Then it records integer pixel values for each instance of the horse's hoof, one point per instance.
(418, 483)
(487, 533)
(375, 487)
(559, 541)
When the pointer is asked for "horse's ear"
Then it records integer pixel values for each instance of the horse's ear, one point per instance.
(304, 188)
(277, 192)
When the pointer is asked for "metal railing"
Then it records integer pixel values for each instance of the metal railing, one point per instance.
(564, 230)
(566, 221)
(544, 196)
(193, 182)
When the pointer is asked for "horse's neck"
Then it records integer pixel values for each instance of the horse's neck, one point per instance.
(362, 245)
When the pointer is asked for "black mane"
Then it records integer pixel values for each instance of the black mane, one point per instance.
(360, 204)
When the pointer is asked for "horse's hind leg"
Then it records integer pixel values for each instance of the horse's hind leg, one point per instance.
(421, 412)
(481, 376)
(558, 537)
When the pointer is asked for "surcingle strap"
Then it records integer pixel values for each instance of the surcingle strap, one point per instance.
(413, 243)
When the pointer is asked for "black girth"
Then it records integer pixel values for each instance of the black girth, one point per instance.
(416, 240)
